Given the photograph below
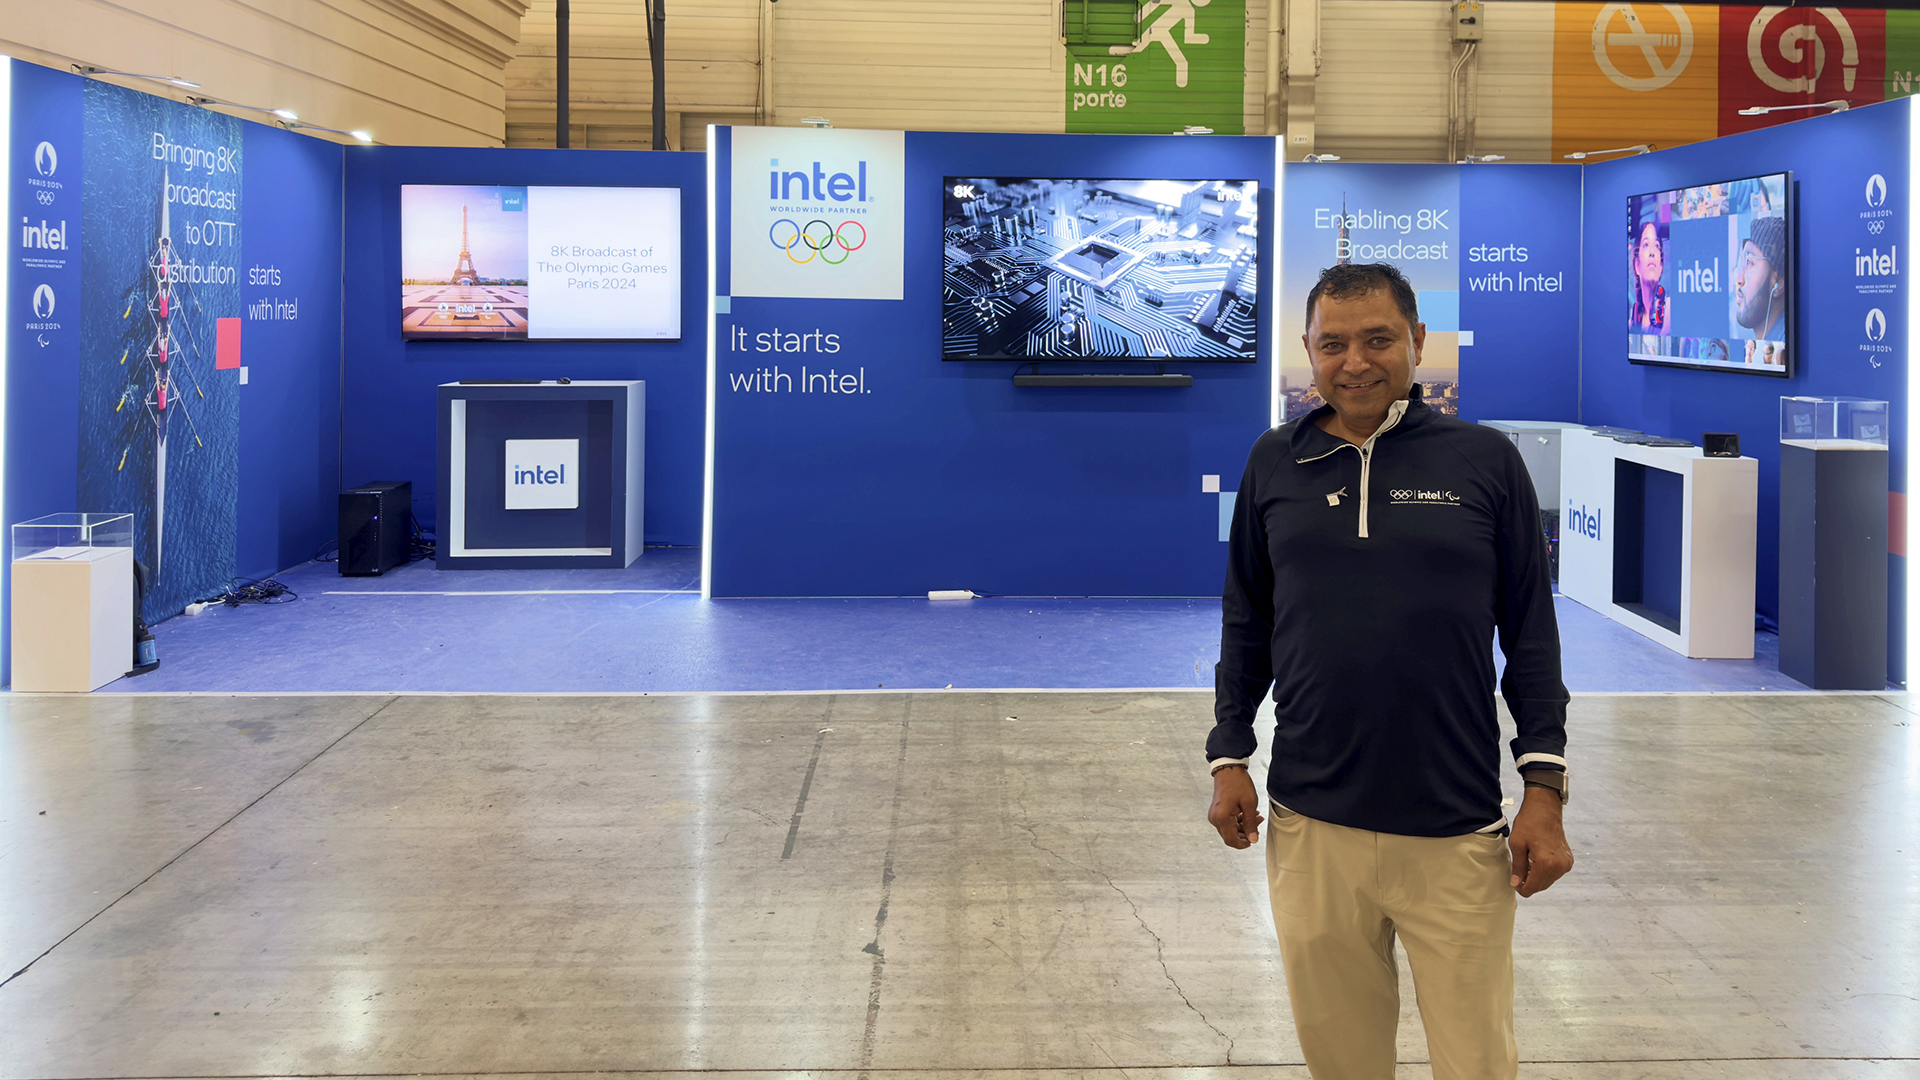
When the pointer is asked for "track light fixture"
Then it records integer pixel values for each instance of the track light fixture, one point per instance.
(1321, 157)
(1835, 105)
(93, 72)
(287, 117)
(1582, 155)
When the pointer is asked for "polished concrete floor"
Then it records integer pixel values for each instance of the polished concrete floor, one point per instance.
(976, 885)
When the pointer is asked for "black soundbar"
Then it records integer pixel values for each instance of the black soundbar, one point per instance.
(1103, 380)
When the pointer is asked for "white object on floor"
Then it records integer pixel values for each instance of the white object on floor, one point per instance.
(950, 594)
(72, 618)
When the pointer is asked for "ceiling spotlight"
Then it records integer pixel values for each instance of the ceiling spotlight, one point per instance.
(817, 122)
(1321, 157)
(1471, 159)
(1195, 129)
(285, 114)
(1835, 105)
(361, 135)
(1582, 155)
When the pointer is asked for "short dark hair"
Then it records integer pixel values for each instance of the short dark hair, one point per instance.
(1348, 280)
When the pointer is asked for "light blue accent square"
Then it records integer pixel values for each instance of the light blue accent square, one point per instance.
(1226, 514)
(1440, 309)
(723, 305)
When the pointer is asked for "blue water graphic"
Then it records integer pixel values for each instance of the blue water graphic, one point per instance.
(126, 183)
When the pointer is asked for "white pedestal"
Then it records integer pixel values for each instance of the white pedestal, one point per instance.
(72, 619)
(1719, 514)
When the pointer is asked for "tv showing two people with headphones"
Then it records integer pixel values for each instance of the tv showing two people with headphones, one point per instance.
(1709, 276)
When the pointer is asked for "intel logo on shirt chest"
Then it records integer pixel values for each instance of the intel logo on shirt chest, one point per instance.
(543, 474)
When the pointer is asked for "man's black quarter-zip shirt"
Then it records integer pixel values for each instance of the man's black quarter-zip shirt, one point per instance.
(1365, 586)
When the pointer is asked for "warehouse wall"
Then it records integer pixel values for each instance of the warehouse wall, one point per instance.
(481, 72)
(918, 65)
(420, 72)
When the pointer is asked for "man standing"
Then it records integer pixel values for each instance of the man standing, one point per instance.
(1377, 548)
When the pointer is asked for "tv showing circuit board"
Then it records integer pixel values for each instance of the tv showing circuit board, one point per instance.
(1062, 269)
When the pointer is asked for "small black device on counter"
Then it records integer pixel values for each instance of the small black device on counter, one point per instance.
(1721, 443)
(376, 523)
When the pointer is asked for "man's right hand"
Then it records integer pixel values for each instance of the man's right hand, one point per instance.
(1236, 808)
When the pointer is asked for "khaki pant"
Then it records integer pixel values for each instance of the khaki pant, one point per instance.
(1340, 898)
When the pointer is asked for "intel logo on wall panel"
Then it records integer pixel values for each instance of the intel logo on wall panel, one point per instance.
(818, 214)
(543, 474)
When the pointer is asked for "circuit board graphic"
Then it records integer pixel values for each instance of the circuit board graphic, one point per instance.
(1099, 269)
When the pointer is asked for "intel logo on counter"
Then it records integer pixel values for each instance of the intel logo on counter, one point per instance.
(1581, 523)
(543, 474)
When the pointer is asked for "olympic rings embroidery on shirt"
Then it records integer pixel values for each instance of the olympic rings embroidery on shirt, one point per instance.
(815, 245)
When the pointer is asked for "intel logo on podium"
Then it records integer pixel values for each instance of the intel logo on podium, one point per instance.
(543, 474)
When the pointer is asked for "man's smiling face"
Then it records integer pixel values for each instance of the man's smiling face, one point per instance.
(1364, 353)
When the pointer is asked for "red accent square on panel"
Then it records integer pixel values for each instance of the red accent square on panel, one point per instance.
(1897, 523)
(226, 350)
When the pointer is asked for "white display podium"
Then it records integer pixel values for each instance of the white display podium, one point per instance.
(72, 602)
(1661, 539)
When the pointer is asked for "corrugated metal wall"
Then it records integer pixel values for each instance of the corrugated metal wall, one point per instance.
(452, 72)
(421, 72)
(1383, 84)
(713, 73)
(1382, 90)
(1515, 94)
(930, 65)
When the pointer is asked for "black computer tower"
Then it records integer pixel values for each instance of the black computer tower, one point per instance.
(376, 527)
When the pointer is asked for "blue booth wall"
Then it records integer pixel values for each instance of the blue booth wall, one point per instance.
(388, 385)
(1523, 363)
(943, 475)
(1832, 159)
(1493, 252)
(255, 220)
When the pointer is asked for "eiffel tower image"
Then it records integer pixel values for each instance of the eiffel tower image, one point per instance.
(463, 271)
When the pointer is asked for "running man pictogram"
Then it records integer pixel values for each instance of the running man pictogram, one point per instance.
(1177, 12)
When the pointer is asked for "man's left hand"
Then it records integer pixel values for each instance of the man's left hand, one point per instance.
(1539, 844)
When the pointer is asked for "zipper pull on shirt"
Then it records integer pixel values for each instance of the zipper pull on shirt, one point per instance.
(1333, 497)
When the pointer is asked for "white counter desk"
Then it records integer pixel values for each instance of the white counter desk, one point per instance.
(1661, 539)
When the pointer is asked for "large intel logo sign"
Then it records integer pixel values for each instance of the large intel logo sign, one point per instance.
(543, 474)
(818, 213)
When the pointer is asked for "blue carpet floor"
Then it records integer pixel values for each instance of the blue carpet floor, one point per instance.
(646, 629)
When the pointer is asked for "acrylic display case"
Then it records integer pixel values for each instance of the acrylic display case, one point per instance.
(72, 601)
(1836, 423)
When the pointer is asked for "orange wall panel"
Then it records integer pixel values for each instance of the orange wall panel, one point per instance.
(1627, 73)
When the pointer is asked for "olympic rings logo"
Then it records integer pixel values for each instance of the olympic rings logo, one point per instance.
(801, 238)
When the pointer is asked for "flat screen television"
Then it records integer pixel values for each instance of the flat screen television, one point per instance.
(539, 263)
(1710, 274)
(1037, 269)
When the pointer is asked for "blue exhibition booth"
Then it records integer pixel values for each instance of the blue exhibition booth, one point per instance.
(901, 420)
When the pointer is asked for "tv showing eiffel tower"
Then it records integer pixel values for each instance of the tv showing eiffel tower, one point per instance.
(472, 229)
